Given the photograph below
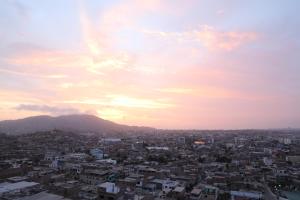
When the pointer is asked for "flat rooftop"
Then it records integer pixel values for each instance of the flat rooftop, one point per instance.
(43, 196)
(7, 187)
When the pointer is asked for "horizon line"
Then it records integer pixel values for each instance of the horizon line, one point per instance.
(163, 129)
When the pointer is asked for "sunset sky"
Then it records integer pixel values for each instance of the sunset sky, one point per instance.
(168, 64)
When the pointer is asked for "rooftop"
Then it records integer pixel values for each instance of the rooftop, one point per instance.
(43, 196)
(110, 187)
(7, 187)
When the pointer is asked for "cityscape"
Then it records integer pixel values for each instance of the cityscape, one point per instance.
(149, 100)
(146, 163)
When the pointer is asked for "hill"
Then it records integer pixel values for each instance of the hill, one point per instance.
(74, 123)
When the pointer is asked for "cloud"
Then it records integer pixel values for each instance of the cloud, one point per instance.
(101, 56)
(101, 41)
(47, 109)
(209, 37)
(45, 57)
(230, 40)
(123, 101)
(50, 76)
(209, 92)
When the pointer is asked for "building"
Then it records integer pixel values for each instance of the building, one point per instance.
(109, 191)
(235, 195)
(43, 196)
(97, 153)
(14, 189)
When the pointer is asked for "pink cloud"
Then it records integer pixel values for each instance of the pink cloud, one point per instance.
(214, 40)
(209, 37)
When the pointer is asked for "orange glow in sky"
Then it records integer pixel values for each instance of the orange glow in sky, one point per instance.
(166, 64)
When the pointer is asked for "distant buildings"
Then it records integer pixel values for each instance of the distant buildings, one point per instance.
(207, 165)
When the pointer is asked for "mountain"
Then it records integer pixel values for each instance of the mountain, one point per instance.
(74, 123)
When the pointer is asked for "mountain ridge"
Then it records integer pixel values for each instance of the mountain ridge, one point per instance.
(75, 123)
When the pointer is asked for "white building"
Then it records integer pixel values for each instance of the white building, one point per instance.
(109, 187)
(108, 161)
(97, 153)
(158, 148)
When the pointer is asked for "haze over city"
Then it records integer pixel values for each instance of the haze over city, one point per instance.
(165, 64)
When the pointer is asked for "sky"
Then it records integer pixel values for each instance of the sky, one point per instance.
(193, 64)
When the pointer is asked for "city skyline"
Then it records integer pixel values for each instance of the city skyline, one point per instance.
(164, 64)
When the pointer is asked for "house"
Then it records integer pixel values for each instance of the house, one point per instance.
(109, 191)
(195, 194)
(97, 153)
